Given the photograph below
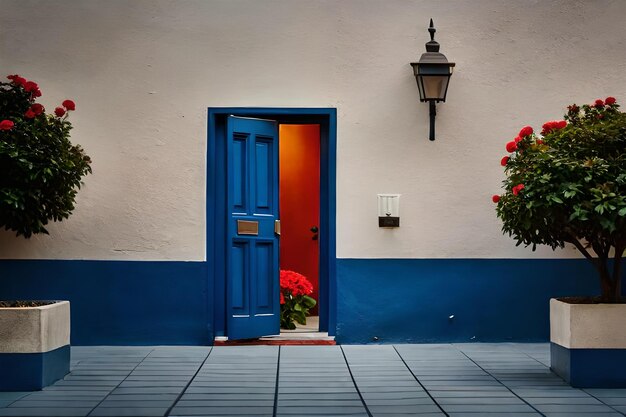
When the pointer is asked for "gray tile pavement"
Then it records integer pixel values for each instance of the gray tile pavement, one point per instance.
(375, 380)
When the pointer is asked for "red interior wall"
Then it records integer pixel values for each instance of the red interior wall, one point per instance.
(299, 162)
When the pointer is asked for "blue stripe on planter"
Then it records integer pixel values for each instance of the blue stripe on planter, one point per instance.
(491, 300)
(33, 371)
(120, 302)
(589, 368)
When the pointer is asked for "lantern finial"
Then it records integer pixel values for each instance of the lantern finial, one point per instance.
(432, 45)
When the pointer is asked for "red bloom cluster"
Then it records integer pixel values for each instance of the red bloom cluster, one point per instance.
(526, 131)
(294, 283)
(517, 189)
(69, 105)
(553, 125)
(6, 125)
(504, 161)
(609, 101)
(511, 146)
(29, 86)
(495, 198)
(599, 103)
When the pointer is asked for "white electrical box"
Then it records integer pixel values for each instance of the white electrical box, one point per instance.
(388, 210)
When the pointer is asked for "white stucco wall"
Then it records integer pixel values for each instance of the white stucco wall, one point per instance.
(143, 73)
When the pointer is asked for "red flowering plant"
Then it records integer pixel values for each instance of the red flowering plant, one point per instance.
(40, 169)
(294, 299)
(568, 185)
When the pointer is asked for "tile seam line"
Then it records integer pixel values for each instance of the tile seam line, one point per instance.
(179, 396)
(275, 409)
(117, 386)
(17, 399)
(599, 399)
(500, 382)
(419, 382)
(358, 391)
(580, 389)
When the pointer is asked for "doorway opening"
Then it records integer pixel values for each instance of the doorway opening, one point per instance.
(307, 210)
(299, 179)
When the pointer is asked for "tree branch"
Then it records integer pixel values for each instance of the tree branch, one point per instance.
(574, 240)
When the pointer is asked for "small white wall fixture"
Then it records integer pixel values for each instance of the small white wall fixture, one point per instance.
(388, 210)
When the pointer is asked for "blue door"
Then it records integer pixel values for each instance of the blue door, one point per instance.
(252, 293)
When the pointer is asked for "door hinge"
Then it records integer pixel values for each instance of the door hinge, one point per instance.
(277, 227)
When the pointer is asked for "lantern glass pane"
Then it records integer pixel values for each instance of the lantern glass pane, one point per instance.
(420, 87)
(435, 87)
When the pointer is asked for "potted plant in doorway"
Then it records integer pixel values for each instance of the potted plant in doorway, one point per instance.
(295, 301)
(40, 172)
(568, 186)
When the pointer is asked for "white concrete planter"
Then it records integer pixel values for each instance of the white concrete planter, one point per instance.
(588, 343)
(34, 346)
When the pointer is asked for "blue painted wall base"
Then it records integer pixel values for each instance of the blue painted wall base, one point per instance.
(395, 300)
(454, 300)
(33, 371)
(120, 302)
(589, 368)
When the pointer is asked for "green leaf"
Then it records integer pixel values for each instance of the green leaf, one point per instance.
(308, 302)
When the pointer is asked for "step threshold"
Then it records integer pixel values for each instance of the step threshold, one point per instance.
(284, 339)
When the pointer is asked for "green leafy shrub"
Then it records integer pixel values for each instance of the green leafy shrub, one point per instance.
(569, 186)
(40, 170)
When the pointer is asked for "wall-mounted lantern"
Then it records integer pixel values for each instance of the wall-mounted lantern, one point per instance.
(432, 72)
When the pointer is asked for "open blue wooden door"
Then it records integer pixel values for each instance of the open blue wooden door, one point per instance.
(252, 292)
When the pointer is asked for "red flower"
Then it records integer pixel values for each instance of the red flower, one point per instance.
(517, 189)
(294, 283)
(539, 142)
(282, 298)
(511, 146)
(69, 105)
(59, 111)
(37, 108)
(553, 125)
(6, 125)
(31, 86)
(30, 114)
(609, 101)
(504, 161)
(17, 79)
(526, 131)
(517, 139)
(495, 198)
(598, 103)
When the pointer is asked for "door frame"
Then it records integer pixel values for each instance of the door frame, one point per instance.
(216, 237)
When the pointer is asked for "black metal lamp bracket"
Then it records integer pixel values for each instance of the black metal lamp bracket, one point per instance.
(433, 114)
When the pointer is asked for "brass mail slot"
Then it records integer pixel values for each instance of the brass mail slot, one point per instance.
(246, 227)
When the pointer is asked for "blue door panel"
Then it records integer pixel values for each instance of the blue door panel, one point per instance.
(253, 307)
(264, 261)
(238, 278)
(263, 176)
(239, 173)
